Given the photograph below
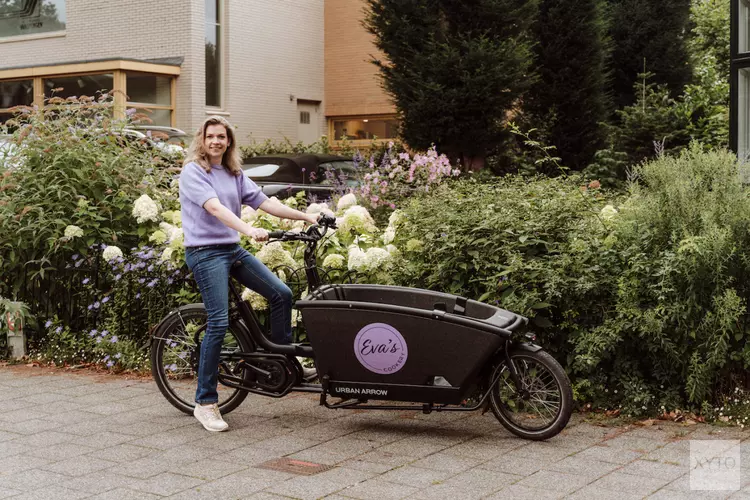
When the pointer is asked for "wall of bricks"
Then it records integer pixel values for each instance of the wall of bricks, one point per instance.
(352, 86)
(272, 49)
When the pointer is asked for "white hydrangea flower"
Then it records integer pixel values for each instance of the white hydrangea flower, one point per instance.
(145, 209)
(608, 212)
(166, 255)
(169, 230)
(389, 235)
(257, 301)
(73, 232)
(357, 219)
(296, 316)
(376, 257)
(346, 201)
(111, 252)
(158, 237)
(334, 260)
(396, 218)
(315, 208)
(173, 217)
(274, 255)
(248, 214)
(357, 259)
(391, 249)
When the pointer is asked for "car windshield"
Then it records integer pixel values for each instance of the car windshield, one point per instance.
(340, 171)
(260, 171)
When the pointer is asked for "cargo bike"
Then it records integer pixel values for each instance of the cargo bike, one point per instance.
(375, 347)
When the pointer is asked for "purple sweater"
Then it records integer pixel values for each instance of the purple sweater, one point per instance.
(197, 187)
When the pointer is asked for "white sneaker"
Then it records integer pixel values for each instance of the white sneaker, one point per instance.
(210, 417)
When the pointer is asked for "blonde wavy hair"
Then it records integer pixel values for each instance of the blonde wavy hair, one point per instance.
(197, 152)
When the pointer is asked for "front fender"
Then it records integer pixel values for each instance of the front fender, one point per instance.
(526, 346)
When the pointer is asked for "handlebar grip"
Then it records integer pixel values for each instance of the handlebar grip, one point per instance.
(277, 235)
(327, 220)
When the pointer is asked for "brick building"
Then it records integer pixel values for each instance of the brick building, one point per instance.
(275, 68)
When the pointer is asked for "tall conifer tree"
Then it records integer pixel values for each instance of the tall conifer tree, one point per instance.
(652, 34)
(570, 99)
(454, 68)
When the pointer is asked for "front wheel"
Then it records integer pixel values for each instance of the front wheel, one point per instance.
(542, 408)
(175, 356)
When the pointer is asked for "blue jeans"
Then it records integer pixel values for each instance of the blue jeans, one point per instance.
(211, 266)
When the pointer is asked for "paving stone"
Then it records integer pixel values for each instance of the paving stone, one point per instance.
(18, 463)
(448, 463)
(521, 466)
(125, 494)
(664, 494)
(681, 485)
(639, 485)
(60, 451)
(473, 483)
(519, 492)
(589, 492)
(98, 482)
(31, 426)
(208, 469)
(52, 492)
(377, 489)
(166, 484)
(31, 479)
(655, 469)
(45, 438)
(7, 492)
(415, 476)
(583, 466)
(607, 453)
(564, 483)
(634, 443)
(413, 447)
(79, 466)
(122, 453)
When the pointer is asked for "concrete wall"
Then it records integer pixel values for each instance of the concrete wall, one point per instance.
(352, 84)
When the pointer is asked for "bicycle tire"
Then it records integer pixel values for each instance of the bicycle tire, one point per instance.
(505, 398)
(173, 329)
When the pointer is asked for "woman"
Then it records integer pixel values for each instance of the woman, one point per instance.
(212, 192)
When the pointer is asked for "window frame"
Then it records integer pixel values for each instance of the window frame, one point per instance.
(219, 26)
(33, 84)
(358, 142)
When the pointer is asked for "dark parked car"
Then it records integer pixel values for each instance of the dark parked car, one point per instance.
(286, 175)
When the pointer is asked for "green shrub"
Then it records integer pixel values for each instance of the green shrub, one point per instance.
(76, 185)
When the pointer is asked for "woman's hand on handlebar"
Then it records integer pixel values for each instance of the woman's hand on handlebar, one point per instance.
(257, 233)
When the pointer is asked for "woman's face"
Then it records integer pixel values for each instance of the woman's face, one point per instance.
(216, 142)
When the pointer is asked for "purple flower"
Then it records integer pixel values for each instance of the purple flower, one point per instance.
(117, 278)
(110, 364)
(150, 268)
(48, 323)
(58, 329)
(98, 339)
(182, 355)
(152, 283)
(105, 300)
(113, 339)
(105, 333)
(75, 256)
(141, 280)
(138, 295)
(86, 281)
(97, 304)
(118, 355)
(90, 307)
(106, 357)
(93, 332)
(172, 344)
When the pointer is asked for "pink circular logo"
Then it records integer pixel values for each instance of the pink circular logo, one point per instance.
(381, 348)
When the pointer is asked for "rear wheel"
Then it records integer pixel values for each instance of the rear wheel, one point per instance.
(542, 408)
(175, 356)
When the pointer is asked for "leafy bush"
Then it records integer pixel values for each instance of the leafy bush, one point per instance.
(78, 170)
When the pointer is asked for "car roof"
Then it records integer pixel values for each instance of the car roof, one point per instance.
(307, 161)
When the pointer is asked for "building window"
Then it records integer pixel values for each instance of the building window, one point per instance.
(743, 114)
(304, 117)
(28, 17)
(15, 93)
(743, 26)
(213, 53)
(364, 128)
(79, 85)
(151, 95)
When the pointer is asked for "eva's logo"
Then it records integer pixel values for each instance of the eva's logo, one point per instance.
(381, 348)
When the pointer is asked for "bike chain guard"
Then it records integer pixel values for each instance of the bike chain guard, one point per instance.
(269, 374)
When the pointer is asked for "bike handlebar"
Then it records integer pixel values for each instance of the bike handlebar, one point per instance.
(311, 234)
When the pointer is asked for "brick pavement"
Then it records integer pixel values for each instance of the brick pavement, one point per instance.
(82, 435)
